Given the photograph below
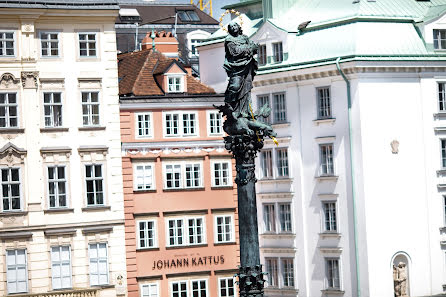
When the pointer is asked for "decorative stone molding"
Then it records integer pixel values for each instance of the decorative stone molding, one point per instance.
(68, 293)
(52, 83)
(89, 82)
(330, 250)
(8, 80)
(29, 79)
(15, 235)
(27, 27)
(55, 154)
(10, 154)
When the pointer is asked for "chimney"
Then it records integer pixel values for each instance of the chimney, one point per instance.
(165, 43)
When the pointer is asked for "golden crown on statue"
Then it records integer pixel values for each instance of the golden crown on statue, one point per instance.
(232, 11)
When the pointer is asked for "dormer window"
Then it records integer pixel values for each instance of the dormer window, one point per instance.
(440, 39)
(188, 16)
(175, 84)
(277, 52)
(262, 54)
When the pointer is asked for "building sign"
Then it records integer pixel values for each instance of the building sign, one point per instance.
(188, 262)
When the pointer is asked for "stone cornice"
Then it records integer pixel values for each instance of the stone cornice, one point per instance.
(175, 147)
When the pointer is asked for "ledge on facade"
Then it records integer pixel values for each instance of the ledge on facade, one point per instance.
(182, 274)
(53, 129)
(322, 178)
(441, 172)
(103, 286)
(330, 250)
(13, 213)
(276, 180)
(60, 231)
(15, 234)
(146, 214)
(443, 229)
(328, 196)
(58, 210)
(267, 195)
(55, 149)
(318, 122)
(222, 187)
(186, 246)
(149, 277)
(282, 291)
(90, 292)
(96, 208)
(91, 128)
(333, 291)
(226, 271)
(148, 249)
(280, 125)
(278, 235)
(440, 129)
(11, 130)
(440, 115)
(225, 243)
(92, 148)
(227, 209)
(278, 249)
(441, 187)
(97, 229)
(144, 191)
(330, 234)
(190, 212)
(184, 189)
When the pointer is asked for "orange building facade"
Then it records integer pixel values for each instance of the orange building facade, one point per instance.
(179, 196)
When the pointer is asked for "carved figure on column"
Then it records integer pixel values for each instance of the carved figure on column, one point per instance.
(400, 279)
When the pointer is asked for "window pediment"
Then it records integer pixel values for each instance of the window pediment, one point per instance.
(11, 154)
(9, 81)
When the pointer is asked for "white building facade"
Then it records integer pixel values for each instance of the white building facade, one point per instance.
(62, 213)
(356, 185)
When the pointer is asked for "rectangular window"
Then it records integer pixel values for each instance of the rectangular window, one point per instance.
(176, 232)
(144, 177)
(11, 189)
(224, 228)
(261, 102)
(226, 287)
(188, 16)
(333, 273)
(221, 175)
(179, 289)
(439, 39)
(279, 108)
(87, 44)
(199, 288)
(288, 272)
(173, 176)
(144, 123)
(269, 217)
(282, 162)
(266, 163)
(61, 267)
(98, 264)
(285, 217)
(189, 124)
(147, 232)
(326, 158)
(442, 97)
(195, 230)
(57, 187)
(175, 84)
(262, 55)
(94, 185)
(150, 290)
(16, 271)
(49, 42)
(193, 46)
(52, 104)
(90, 108)
(277, 52)
(183, 175)
(6, 44)
(172, 124)
(323, 103)
(329, 209)
(443, 153)
(8, 110)
(193, 175)
(215, 123)
(180, 124)
(271, 269)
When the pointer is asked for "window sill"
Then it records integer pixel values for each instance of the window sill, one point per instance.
(96, 208)
(441, 172)
(285, 291)
(53, 129)
(186, 246)
(333, 291)
(278, 235)
(91, 128)
(225, 243)
(318, 122)
(148, 249)
(330, 235)
(13, 213)
(144, 191)
(222, 187)
(57, 210)
(11, 130)
(184, 189)
(280, 125)
(103, 286)
(322, 178)
(276, 180)
(440, 114)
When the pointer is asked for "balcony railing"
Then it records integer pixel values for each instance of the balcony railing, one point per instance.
(64, 293)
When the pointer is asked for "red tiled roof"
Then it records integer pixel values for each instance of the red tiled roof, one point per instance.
(137, 70)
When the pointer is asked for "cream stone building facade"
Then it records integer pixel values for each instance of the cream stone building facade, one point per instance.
(62, 212)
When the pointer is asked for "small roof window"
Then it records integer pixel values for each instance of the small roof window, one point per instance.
(188, 16)
(129, 15)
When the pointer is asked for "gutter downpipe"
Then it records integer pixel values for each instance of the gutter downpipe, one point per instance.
(352, 173)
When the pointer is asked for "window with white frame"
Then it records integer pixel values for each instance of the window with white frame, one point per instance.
(326, 159)
(179, 289)
(144, 124)
(261, 55)
(282, 162)
(150, 290)
(7, 44)
(144, 177)
(186, 174)
(52, 105)
(226, 287)
(323, 103)
(61, 267)
(215, 123)
(180, 124)
(443, 152)
(175, 84)
(225, 230)
(90, 108)
(57, 187)
(147, 234)
(330, 221)
(285, 217)
(87, 44)
(266, 163)
(94, 181)
(193, 46)
(49, 44)
(16, 271)
(199, 288)
(195, 230)
(333, 280)
(187, 230)
(8, 110)
(269, 217)
(279, 102)
(287, 272)
(176, 232)
(188, 16)
(98, 256)
(221, 173)
(11, 198)
(442, 97)
(277, 52)
(271, 267)
(263, 100)
(439, 39)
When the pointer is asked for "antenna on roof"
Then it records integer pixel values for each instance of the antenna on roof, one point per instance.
(203, 6)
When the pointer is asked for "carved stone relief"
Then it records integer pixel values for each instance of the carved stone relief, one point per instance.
(29, 79)
(8, 80)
